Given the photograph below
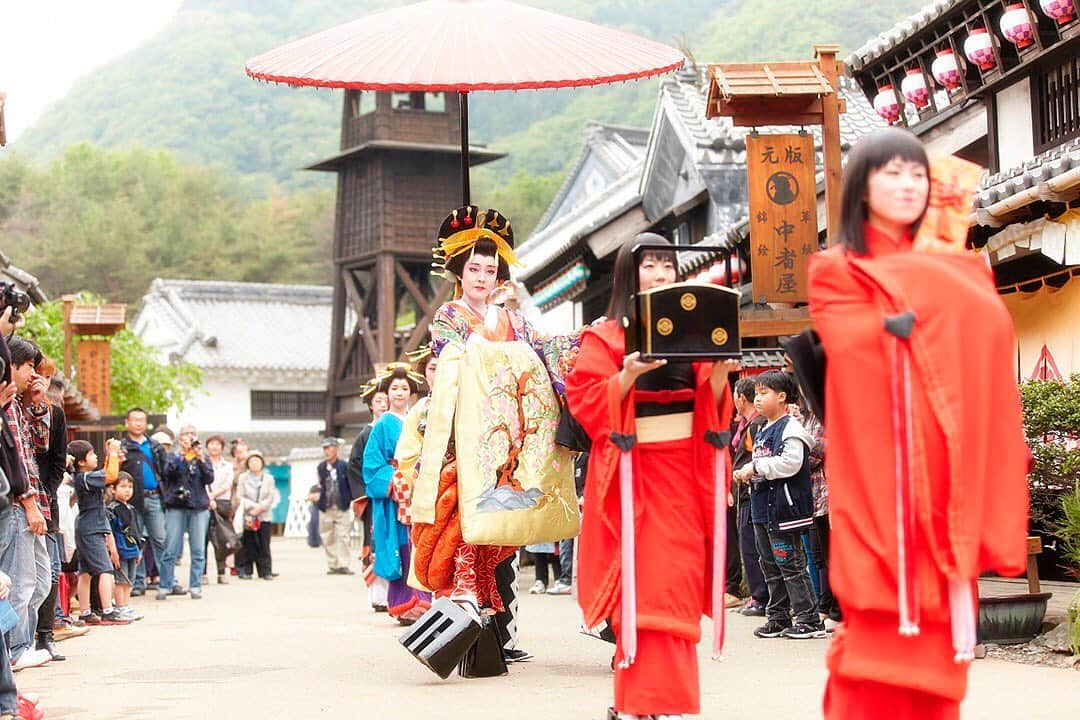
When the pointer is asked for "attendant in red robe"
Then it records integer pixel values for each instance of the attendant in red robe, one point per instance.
(926, 460)
(648, 422)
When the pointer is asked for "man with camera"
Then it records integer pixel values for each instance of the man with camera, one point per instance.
(144, 459)
(187, 510)
(12, 485)
(24, 556)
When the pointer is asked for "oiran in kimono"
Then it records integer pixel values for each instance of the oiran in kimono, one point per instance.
(390, 535)
(491, 477)
(651, 554)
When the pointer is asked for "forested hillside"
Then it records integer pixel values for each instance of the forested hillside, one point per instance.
(202, 173)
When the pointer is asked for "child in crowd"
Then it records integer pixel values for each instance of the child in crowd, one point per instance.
(93, 537)
(128, 536)
(545, 557)
(782, 510)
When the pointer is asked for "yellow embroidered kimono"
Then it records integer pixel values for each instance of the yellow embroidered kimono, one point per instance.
(494, 412)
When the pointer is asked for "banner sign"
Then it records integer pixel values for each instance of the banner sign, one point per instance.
(783, 215)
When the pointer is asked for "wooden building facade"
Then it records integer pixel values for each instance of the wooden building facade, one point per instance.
(998, 83)
(398, 176)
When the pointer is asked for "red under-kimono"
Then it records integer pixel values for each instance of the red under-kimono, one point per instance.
(673, 496)
(913, 529)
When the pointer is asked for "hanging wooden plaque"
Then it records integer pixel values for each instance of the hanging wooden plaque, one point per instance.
(783, 215)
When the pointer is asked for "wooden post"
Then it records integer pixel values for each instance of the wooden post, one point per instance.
(67, 303)
(830, 139)
(386, 307)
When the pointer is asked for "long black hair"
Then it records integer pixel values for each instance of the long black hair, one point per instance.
(624, 275)
(872, 153)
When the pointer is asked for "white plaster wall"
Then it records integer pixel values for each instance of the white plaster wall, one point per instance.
(303, 476)
(1015, 134)
(561, 319)
(224, 406)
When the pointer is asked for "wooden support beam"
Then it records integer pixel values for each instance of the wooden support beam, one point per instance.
(830, 140)
(423, 325)
(421, 300)
(772, 322)
(362, 321)
(386, 306)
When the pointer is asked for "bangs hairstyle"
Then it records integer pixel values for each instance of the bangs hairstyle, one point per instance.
(78, 450)
(625, 273)
(485, 247)
(398, 373)
(780, 382)
(125, 477)
(872, 153)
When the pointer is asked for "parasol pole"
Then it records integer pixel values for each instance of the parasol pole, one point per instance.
(463, 104)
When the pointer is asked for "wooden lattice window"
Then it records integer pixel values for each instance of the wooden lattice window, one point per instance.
(287, 405)
(1056, 110)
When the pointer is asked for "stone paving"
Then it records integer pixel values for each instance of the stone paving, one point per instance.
(306, 646)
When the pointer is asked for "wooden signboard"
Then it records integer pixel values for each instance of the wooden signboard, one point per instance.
(95, 372)
(783, 215)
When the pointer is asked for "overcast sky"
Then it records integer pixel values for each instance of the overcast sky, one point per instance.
(45, 45)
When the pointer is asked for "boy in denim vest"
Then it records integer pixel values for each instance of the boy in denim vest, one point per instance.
(782, 509)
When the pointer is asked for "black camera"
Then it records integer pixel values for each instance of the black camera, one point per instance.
(183, 495)
(17, 300)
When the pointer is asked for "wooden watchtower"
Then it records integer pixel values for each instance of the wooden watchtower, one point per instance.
(399, 174)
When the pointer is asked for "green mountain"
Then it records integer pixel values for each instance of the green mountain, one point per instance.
(171, 162)
(185, 90)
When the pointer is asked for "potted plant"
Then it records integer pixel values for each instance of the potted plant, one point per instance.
(1070, 529)
(1052, 428)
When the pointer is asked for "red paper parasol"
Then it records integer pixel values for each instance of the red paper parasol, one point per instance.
(463, 46)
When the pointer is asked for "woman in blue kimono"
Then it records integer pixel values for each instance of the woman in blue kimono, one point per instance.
(390, 541)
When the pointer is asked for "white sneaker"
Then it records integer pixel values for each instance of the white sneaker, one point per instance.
(31, 658)
(538, 588)
(128, 613)
(559, 589)
(830, 625)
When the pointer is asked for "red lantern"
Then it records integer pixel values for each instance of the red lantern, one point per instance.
(1016, 26)
(1061, 10)
(914, 88)
(979, 49)
(946, 70)
(886, 104)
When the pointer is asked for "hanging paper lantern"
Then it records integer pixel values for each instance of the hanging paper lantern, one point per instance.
(886, 104)
(914, 88)
(1061, 10)
(979, 49)
(946, 70)
(1016, 26)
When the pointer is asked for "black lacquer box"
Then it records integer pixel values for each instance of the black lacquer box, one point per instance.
(684, 321)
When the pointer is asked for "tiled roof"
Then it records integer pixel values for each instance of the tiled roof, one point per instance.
(1030, 176)
(234, 325)
(22, 279)
(718, 141)
(617, 147)
(900, 32)
(713, 143)
(544, 246)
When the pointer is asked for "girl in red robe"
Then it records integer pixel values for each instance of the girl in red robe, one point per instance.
(646, 559)
(926, 459)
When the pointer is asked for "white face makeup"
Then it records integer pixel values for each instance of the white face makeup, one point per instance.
(399, 394)
(479, 279)
(429, 372)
